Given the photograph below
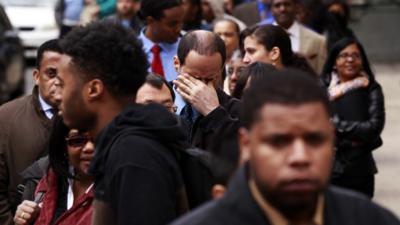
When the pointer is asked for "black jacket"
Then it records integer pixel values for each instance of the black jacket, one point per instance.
(137, 177)
(238, 207)
(225, 116)
(359, 118)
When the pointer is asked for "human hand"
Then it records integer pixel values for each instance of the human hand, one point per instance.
(202, 96)
(26, 213)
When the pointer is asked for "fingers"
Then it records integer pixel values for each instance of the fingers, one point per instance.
(27, 206)
(181, 88)
(19, 220)
(187, 80)
(24, 212)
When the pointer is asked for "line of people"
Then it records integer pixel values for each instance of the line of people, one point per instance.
(269, 139)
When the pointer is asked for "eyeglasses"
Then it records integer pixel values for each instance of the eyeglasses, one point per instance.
(77, 140)
(345, 55)
(172, 108)
(237, 69)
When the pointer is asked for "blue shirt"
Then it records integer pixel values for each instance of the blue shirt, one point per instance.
(47, 109)
(168, 51)
(266, 10)
(73, 9)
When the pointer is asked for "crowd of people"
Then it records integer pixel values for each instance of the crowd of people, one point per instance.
(195, 112)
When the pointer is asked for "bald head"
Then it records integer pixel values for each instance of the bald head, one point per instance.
(204, 43)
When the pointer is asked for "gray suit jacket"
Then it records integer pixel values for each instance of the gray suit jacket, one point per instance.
(313, 48)
(247, 13)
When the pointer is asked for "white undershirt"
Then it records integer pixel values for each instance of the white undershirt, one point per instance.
(294, 34)
(70, 195)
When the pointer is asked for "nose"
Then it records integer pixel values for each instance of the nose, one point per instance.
(234, 76)
(57, 92)
(350, 58)
(88, 149)
(223, 37)
(299, 156)
(246, 59)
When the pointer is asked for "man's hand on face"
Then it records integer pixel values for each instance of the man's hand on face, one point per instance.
(203, 97)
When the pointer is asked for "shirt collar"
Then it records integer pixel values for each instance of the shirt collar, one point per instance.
(294, 30)
(45, 107)
(148, 44)
(275, 216)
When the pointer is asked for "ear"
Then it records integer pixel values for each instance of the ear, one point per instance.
(275, 54)
(244, 145)
(177, 64)
(36, 76)
(94, 89)
(217, 191)
(149, 20)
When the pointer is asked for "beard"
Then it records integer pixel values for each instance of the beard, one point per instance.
(292, 198)
(76, 114)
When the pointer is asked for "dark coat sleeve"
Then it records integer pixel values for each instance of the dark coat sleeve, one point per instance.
(369, 130)
(5, 205)
(224, 116)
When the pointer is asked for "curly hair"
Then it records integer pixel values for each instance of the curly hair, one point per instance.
(155, 8)
(109, 52)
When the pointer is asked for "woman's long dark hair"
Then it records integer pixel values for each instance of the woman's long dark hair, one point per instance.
(58, 153)
(274, 36)
(271, 36)
(333, 54)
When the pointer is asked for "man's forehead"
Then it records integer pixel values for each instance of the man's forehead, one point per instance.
(308, 115)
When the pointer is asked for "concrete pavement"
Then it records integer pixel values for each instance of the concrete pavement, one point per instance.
(387, 185)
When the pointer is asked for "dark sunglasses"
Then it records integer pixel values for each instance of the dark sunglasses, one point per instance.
(77, 141)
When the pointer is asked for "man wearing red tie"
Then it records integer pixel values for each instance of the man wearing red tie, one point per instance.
(160, 37)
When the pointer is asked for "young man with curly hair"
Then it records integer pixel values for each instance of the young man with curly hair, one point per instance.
(137, 177)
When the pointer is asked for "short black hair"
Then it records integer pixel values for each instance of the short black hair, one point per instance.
(155, 8)
(287, 87)
(254, 70)
(236, 25)
(50, 45)
(158, 82)
(202, 42)
(109, 52)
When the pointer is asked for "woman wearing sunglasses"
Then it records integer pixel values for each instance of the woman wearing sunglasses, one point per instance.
(64, 195)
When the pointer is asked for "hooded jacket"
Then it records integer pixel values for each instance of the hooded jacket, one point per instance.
(137, 176)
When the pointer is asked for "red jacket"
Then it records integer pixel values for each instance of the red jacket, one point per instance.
(80, 213)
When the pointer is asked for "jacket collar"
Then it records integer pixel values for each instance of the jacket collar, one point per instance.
(239, 201)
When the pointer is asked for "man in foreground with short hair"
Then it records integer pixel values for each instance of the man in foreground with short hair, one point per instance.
(137, 177)
(287, 148)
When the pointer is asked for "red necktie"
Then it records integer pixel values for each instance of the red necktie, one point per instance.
(156, 65)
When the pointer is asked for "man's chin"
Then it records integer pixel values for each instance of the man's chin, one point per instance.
(292, 203)
(296, 195)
